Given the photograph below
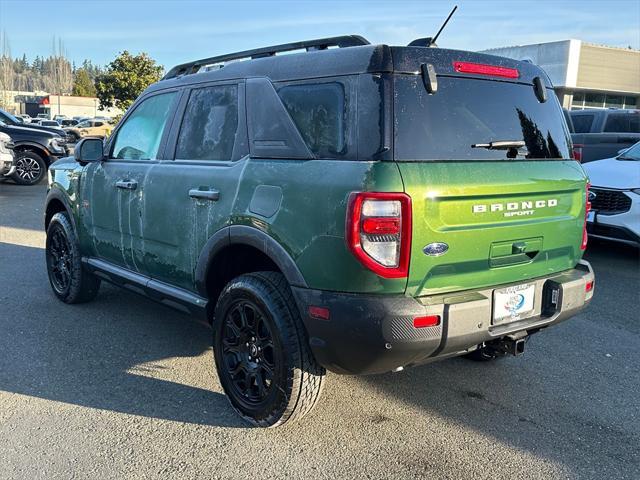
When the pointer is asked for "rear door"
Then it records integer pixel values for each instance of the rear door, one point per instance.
(506, 214)
(189, 198)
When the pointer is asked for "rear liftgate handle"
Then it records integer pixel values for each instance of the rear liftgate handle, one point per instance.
(127, 184)
(213, 195)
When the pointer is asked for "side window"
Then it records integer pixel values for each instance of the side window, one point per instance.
(210, 124)
(140, 135)
(623, 123)
(582, 123)
(321, 112)
(98, 124)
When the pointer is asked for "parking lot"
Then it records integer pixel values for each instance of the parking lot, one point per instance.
(125, 388)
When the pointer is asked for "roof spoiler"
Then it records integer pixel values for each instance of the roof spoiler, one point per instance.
(343, 41)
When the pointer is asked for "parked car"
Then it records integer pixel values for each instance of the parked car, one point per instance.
(601, 134)
(43, 116)
(34, 149)
(68, 122)
(9, 119)
(59, 118)
(361, 209)
(615, 197)
(94, 128)
(26, 118)
(49, 123)
(7, 165)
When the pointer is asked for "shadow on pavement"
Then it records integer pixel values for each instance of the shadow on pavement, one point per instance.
(560, 401)
(100, 354)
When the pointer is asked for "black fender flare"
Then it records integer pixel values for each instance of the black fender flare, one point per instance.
(253, 237)
(55, 194)
(35, 146)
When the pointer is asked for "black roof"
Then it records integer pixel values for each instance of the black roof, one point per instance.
(353, 55)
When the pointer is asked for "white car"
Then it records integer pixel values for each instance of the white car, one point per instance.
(7, 165)
(615, 197)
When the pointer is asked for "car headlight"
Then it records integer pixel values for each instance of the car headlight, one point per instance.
(56, 145)
(636, 191)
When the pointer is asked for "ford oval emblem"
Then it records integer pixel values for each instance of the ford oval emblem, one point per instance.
(435, 249)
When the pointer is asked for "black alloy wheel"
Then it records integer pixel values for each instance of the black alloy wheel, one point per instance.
(70, 282)
(248, 349)
(261, 351)
(59, 261)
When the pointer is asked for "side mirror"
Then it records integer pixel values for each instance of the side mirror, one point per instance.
(620, 152)
(89, 150)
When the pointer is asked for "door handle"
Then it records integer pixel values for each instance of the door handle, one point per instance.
(127, 184)
(213, 195)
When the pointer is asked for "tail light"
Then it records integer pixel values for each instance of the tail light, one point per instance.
(577, 153)
(379, 232)
(587, 209)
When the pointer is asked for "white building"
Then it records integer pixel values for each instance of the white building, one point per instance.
(585, 75)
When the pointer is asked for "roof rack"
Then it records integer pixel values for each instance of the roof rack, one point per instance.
(343, 41)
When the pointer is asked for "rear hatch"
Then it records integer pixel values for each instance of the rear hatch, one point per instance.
(484, 213)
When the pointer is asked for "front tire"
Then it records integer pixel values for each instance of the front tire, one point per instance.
(30, 168)
(70, 282)
(262, 355)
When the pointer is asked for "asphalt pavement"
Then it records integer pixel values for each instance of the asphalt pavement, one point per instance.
(125, 388)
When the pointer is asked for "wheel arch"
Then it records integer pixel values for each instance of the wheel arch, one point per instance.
(57, 202)
(33, 147)
(239, 249)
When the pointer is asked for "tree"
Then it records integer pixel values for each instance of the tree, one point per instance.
(82, 84)
(125, 78)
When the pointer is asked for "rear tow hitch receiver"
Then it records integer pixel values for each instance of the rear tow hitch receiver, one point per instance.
(509, 346)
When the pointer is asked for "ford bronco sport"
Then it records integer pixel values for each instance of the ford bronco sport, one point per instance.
(361, 208)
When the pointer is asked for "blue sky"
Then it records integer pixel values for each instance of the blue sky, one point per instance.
(176, 31)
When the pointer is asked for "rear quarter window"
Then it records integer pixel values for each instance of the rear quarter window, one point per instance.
(324, 115)
(623, 123)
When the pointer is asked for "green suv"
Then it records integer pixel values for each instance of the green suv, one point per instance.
(352, 207)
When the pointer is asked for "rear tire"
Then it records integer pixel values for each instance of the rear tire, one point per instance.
(69, 281)
(261, 351)
(30, 168)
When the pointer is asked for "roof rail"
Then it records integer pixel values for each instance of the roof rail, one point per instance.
(309, 45)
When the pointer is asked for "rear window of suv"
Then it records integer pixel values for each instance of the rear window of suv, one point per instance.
(623, 123)
(464, 112)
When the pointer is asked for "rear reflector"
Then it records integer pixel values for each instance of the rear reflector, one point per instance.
(482, 69)
(428, 321)
(381, 226)
(589, 286)
(587, 209)
(320, 313)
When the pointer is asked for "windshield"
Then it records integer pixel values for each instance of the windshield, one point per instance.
(633, 153)
(8, 118)
(467, 117)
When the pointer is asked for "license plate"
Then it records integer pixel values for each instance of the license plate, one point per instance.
(591, 216)
(513, 303)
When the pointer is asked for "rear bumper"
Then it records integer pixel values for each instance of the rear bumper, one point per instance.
(375, 333)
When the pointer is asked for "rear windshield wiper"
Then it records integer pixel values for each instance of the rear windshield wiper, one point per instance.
(500, 145)
(511, 146)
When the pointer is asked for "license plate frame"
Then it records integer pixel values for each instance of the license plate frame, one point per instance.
(513, 303)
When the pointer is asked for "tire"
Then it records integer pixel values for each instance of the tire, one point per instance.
(30, 168)
(69, 281)
(262, 355)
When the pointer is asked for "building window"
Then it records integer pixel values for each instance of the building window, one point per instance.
(583, 100)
